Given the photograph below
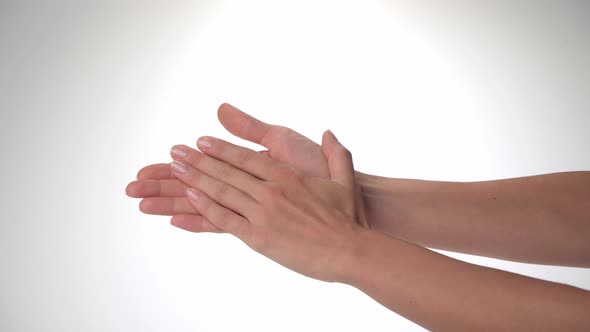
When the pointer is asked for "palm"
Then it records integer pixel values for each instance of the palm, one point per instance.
(290, 147)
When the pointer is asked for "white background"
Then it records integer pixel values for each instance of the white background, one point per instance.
(90, 93)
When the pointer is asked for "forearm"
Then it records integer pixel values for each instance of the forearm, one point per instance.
(539, 219)
(441, 293)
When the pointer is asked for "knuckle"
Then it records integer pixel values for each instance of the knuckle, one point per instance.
(204, 206)
(284, 173)
(296, 176)
(244, 157)
(225, 218)
(271, 191)
(190, 178)
(221, 191)
(275, 133)
(195, 159)
(193, 178)
(281, 130)
(291, 176)
(226, 172)
(245, 125)
(274, 198)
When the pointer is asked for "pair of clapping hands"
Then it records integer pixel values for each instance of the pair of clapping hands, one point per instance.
(296, 203)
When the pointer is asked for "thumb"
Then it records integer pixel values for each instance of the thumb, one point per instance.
(339, 161)
(242, 125)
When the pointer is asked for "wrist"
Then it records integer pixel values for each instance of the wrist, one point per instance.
(381, 200)
(391, 205)
(355, 257)
(363, 184)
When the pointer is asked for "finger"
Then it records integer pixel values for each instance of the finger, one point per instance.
(265, 153)
(339, 161)
(222, 192)
(223, 218)
(156, 188)
(194, 223)
(155, 172)
(243, 125)
(166, 206)
(214, 168)
(240, 157)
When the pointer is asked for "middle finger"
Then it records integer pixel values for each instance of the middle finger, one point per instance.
(220, 191)
(216, 169)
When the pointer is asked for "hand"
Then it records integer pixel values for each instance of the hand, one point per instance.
(306, 223)
(283, 144)
(163, 194)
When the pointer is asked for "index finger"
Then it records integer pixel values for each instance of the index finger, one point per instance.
(243, 158)
(243, 125)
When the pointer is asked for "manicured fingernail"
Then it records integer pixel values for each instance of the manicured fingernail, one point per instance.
(204, 142)
(179, 168)
(192, 194)
(178, 151)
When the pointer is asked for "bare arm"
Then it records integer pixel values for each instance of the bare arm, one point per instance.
(542, 219)
(312, 225)
(444, 294)
(538, 219)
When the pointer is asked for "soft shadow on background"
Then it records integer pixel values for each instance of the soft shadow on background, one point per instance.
(89, 93)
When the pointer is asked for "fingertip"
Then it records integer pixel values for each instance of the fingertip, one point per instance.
(243, 125)
(141, 174)
(181, 224)
(145, 205)
(222, 109)
(178, 221)
(144, 172)
(130, 190)
(224, 106)
(329, 138)
(329, 141)
(154, 172)
(193, 224)
(226, 119)
(331, 135)
(205, 142)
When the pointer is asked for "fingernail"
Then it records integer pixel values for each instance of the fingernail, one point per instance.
(192, 194)
(204, 142)
(179, 168)
(178, 151)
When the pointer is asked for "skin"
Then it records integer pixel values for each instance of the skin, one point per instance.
(163, 194)
(317, 225)
(539, 219)
(543, 219)
(302, 222)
